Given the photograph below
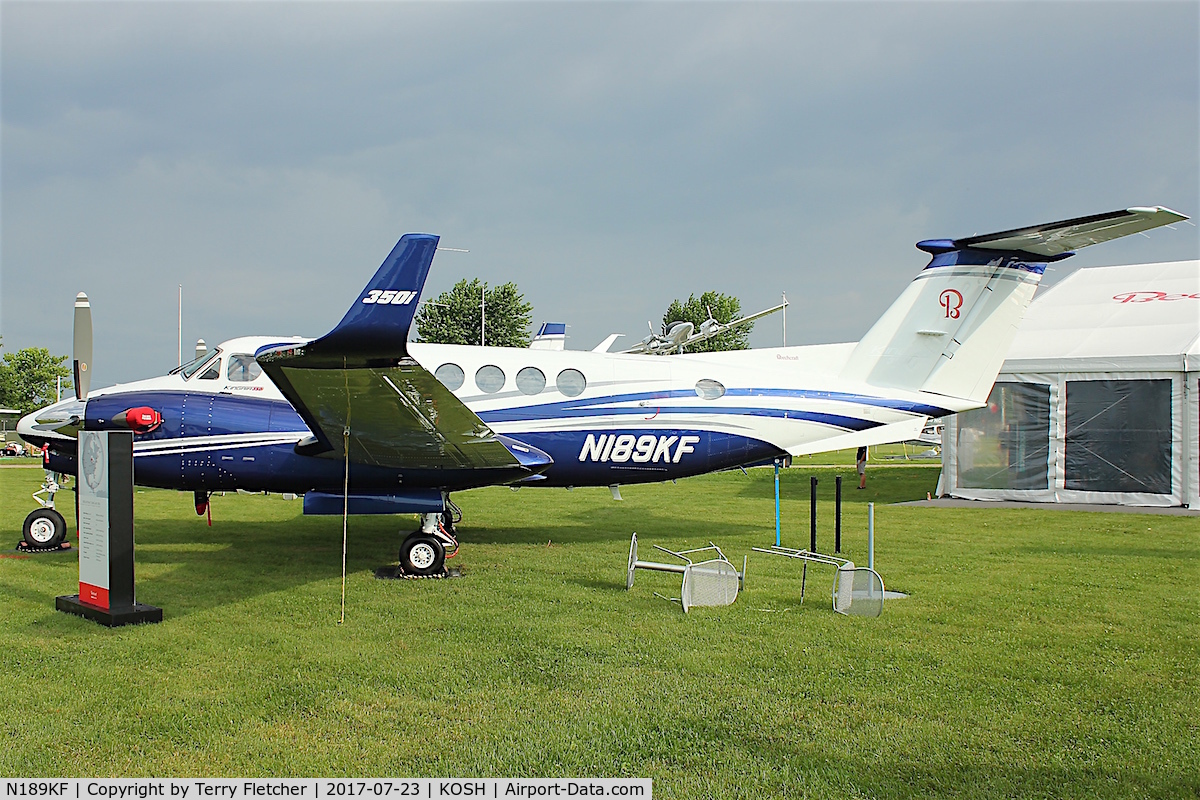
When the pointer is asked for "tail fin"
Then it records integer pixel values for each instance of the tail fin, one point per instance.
(950, 330)
(551, 336)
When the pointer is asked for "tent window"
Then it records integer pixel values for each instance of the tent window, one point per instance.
(1118, 436)
(1006, 444)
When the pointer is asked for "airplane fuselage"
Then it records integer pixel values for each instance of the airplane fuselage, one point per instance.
(602, 418)
(401, 425)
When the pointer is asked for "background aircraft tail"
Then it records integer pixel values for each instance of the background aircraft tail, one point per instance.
(950, 330)
(551, 336)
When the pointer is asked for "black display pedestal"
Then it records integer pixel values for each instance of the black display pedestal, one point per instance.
(105, 489)
(135, 614)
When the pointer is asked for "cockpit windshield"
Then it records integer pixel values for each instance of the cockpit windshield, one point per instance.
(192, 367)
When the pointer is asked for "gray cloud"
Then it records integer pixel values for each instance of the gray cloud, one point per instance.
(606, 157)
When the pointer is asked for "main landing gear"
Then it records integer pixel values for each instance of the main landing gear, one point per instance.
(45, 527)
(424, 552)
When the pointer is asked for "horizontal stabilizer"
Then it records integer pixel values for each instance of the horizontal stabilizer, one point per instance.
(1057, 238)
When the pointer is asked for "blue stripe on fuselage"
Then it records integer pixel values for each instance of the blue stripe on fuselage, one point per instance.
(603, 406)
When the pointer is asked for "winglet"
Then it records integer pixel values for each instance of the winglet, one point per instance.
(376, 326)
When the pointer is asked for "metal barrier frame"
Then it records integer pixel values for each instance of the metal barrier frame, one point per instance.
(820, 558)
(681, 569)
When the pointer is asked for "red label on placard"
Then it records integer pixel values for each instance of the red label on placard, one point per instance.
(93, 595)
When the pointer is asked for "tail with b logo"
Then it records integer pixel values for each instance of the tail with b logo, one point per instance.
(949, 332)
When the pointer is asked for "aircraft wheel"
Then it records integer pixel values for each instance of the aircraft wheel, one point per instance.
(422, 554)
(44, 527)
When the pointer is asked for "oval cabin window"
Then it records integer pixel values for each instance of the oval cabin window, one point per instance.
(571, 382)
(709, 389)
(531, 380)
(489, 379)
(451, 376)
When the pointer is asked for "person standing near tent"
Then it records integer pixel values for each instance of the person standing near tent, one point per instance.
(860, 460)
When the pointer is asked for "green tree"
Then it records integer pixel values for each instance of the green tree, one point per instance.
(29, 378)
(725, 308)
(454, 317)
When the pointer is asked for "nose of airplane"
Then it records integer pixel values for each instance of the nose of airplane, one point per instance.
(60, 421)
(25, 425)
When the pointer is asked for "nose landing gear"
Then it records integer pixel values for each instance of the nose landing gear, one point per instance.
(45, 528)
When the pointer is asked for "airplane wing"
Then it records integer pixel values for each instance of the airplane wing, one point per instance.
(397, 416)
(1058, 238)
(358, 390)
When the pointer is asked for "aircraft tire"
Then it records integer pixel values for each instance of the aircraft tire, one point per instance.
(422, 554)
(44, 527)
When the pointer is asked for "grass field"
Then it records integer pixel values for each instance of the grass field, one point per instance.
(1041, 653)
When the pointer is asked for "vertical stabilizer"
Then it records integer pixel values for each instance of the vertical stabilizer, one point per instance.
(950, 330)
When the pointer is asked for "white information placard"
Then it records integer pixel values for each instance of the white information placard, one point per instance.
(92, 485)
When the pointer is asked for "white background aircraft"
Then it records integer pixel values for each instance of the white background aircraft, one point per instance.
(678, 336)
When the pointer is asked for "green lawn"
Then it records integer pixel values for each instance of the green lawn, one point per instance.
(1041, 654)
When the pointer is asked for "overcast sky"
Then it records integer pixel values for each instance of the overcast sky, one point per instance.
(606, 157)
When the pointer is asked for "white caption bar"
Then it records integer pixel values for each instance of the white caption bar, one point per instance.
(317, 788)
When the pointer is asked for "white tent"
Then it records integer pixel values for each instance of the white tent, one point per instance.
(1097, 400)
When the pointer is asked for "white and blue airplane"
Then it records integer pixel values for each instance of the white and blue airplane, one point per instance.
(398, 426)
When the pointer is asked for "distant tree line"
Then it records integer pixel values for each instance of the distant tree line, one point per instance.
(457, 316)
(29, 378)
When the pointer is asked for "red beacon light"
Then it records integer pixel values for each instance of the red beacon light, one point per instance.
(142, 419)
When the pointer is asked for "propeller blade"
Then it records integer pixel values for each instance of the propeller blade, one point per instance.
(82, 350)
